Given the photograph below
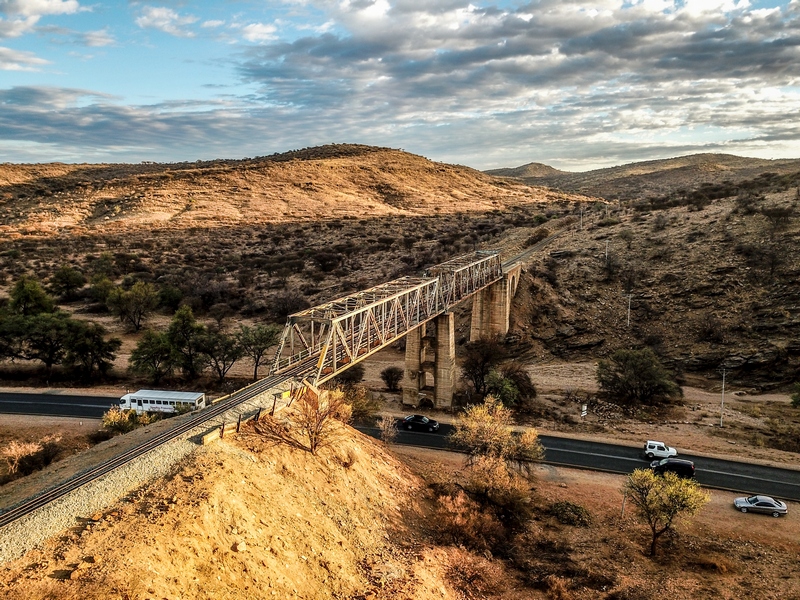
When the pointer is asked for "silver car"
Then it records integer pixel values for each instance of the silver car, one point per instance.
(761, 504)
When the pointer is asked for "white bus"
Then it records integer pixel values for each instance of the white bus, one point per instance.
(162, 401)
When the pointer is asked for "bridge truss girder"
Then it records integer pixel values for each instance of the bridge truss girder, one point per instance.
(332, 337)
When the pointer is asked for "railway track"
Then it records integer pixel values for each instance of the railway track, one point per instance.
(207, 414)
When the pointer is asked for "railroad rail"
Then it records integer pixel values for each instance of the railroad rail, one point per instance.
(215, 410)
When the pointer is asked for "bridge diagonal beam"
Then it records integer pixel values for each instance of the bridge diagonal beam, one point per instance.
(333, 336)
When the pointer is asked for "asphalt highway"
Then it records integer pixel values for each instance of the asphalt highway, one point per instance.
(56, 405)
(742, 478)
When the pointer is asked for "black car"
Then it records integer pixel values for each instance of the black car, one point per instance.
(681, 468)
(420, 423)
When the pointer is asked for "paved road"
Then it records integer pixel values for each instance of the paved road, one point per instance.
(742, 478)
(56, 405)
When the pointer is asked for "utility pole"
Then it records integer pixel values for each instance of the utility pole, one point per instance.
(606, 251)
(580, 210)
(628, 296)
(722, 400)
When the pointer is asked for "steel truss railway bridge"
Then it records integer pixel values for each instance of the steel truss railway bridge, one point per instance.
(325, 340)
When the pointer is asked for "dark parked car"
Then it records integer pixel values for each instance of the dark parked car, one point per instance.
(681, 468)
(761, 504)
(420, 423)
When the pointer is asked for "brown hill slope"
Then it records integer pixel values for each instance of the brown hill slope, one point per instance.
(658, 177)
(709, 287)
(263, 235)
(337, 181)
(713, 281)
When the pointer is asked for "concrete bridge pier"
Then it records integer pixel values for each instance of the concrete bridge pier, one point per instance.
(491, 306)
(434, 355)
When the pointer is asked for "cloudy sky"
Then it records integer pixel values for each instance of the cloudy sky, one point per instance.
(486, 83)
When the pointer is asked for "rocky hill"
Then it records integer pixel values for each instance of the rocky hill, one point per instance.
(259, 236)
(529, 170)
(641, 180)
(708, 288)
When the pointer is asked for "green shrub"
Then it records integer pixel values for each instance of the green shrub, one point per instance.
(570, 513)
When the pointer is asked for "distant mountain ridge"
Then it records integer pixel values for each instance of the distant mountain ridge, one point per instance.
(529, 170)
(652, 177)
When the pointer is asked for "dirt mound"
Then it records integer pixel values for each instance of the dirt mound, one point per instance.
(245, 520)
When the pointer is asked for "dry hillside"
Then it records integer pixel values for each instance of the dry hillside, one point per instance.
(245, 519)
(713, 278)
(258, 237)
(317, 184)
(636, 181)
(709, 288)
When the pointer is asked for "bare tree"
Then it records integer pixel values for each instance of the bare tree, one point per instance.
(310, 423)
(388, 428)
(14, 453)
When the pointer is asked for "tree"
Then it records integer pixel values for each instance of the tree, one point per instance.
(153, 356)
(485, 430)
(309, 423)
(636, 377)
(255, 341)
(134, 305)
(87, 349)
(516, 373)
(101, 288)
(501, 388)
(66, 281)
(363, 405)
(184, 335)
(45, 338)
(392, 376)
(778, 217)
(351, 376)
(28, 298)
(12, 331)
(626, 235)
(480, 357)
(661, 500)
(796, 396)
(222, 351)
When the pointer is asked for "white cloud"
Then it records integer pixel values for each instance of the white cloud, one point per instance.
(97, 39)
(165, 20)
(259, 32)
(17, 27)
(30, 8)
(15, 60)
(558, 81)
